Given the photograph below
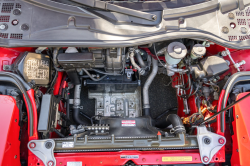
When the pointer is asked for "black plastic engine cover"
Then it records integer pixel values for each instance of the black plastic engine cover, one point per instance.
(140, 127)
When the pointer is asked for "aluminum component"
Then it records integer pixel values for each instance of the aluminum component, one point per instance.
(198, 51)
(114, 59)
(175, 52)
(236, 65)
(117, 104)
(209, 143)
(77, 94)
(148, 83)
(44, 152)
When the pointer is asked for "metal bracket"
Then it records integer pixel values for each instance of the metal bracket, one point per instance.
(44, 150)
(209, 143)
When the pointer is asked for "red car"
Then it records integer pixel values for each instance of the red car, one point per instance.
(128, 82)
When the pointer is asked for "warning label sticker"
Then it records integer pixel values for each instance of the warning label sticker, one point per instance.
(179, 158)
(128, 123)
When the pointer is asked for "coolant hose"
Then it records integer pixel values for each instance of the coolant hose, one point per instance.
(147, 84)
(139, 58)
(132, 60)
(76, 106)
(176, 122)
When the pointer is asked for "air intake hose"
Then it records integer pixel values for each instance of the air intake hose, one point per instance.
(76, 106)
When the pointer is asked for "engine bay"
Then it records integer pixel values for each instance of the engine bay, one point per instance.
(130, 83)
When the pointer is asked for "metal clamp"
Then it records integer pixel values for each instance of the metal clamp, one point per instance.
(44, 150)
(209, 143)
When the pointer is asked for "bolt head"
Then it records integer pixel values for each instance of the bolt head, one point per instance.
(154, 17)
(32, 145)
(205, 159)
(50, 163)
(221, 141)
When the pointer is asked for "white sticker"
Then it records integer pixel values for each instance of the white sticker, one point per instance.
(128, 123)
(67, 144)
(129, 156)
(79, 163)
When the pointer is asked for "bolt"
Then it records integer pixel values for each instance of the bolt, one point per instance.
(207, 141)
(15, 156)
(181, 20)
(225, 29)
(237, 150)
(243, 30)
(231, 15)
(221, 141)
(32, 145)
(48, 145)
(50, 163)
(205, 159)
(237, 116)
(143, 159)
(157, 160)
(154, 17)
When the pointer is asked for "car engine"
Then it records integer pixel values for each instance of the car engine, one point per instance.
(133, 82)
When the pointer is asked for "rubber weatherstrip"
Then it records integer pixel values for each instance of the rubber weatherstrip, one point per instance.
(234, 79)
(23, 86)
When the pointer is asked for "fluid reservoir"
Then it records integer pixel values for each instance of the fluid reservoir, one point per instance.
(175, 52)
(198, 51)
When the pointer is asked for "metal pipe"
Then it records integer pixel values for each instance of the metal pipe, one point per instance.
(151, 77)
(132, 59)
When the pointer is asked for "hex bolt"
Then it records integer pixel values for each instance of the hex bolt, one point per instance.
(50, 163)
(221, 141)
(225, 29)
(205, 159)
(48, 145)
(207, 141)
(32, 145)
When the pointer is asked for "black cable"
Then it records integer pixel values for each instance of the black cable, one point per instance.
(228, 107)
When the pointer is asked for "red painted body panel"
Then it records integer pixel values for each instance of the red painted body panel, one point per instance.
(241, 137)
(9, 144)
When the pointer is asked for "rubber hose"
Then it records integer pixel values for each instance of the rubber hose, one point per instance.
(176, 122)
(139, 59)
(77, 119)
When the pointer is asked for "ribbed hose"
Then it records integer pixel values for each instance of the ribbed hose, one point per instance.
(76, 108)
(147, 84)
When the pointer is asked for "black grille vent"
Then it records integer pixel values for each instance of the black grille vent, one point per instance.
(16, 36)
(4, 18)
(4, 35)
(18, 5)
(7, 7)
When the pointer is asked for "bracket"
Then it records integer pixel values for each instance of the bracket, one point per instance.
(44, 150)
(209, 143)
